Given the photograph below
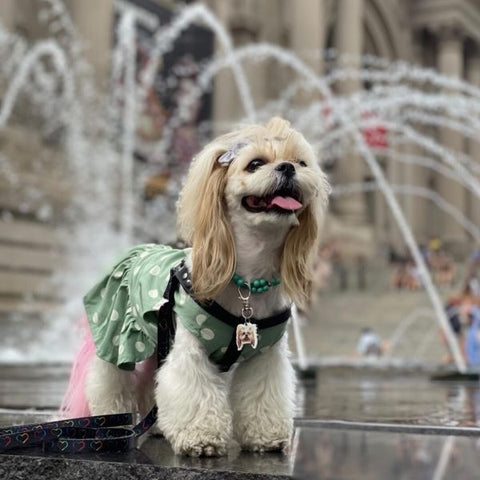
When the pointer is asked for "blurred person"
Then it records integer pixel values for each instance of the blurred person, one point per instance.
(472, 345)
(412, 281)
(406, 276)
(453, 309)
(459, 310)
(473, 272)
(323, 268)
(435, 244)
(474, 284)
(399, 275)
(444, 269)
(370, 344)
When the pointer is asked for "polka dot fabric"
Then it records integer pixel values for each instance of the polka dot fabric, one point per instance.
(123, 307)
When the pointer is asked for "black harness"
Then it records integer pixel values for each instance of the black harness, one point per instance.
(114, 433)
(180, 275)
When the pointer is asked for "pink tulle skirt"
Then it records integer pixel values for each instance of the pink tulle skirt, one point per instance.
(74, 403)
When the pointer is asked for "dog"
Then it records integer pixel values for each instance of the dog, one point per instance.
(250, 211)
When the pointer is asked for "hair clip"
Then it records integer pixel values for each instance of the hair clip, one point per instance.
(227, 158)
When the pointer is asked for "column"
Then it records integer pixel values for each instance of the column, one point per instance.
(450, 62)
(308, 33)
(93, 21)
(227, 105)
(308, 36)
(417, 209)
(7, 21)
(7, 14)
(473, 76)
(349, 40)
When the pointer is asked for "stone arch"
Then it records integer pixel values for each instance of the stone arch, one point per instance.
(383, 35)
(383, 32)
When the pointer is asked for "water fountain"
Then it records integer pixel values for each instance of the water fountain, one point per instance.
(396, 101)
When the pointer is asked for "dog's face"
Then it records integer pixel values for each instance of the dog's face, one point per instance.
(246, 337)
(258, 176)
(272, 180)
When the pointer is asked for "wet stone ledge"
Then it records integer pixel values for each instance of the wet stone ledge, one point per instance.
(23, 467)
(152, 459)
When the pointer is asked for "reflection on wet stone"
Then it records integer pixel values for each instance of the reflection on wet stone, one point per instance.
(354, 454)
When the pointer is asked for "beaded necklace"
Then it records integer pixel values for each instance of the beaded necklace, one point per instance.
(259, 285)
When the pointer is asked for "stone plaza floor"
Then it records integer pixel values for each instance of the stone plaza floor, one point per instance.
(351, 423)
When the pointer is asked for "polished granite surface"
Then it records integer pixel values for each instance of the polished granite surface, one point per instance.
(338, 393)
(351, 424)
(378, 455)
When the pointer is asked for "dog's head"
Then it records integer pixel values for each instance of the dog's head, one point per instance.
(265, 177)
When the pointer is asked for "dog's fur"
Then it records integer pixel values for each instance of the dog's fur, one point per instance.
(201, 409)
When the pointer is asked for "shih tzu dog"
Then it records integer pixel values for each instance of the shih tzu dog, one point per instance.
(250, 212)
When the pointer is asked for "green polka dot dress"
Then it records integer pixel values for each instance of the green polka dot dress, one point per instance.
(122, 310)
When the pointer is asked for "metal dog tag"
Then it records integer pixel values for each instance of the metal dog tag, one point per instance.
(246, 335)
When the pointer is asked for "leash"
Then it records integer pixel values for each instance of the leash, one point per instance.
(101, 433)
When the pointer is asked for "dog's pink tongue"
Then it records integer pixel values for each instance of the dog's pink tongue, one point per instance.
(286, 203)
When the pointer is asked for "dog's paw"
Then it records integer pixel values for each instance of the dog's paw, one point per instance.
(208, 450)
(195, 442)
(264, 434)
(267, 446)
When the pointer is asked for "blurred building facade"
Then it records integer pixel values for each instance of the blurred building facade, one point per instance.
(442, 34)
(439, 34)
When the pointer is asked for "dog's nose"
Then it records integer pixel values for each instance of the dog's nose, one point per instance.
(286, 168)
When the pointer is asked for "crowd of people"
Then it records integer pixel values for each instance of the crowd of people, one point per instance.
(441, 265)
(331, 265)
(463, 309)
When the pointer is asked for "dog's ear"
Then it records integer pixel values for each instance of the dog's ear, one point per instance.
(302, 245)
(255, 341)
(239, 341)
(202, 223)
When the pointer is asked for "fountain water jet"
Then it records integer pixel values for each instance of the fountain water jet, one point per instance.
(345, 119)
(470, 227)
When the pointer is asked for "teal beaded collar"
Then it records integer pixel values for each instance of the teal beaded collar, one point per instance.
(259, 285)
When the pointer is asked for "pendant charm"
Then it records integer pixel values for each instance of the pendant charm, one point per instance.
(246, 335)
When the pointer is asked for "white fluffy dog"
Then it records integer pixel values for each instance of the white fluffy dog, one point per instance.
(251, 208)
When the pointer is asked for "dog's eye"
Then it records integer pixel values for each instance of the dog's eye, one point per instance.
(255, 164)
(302, 163)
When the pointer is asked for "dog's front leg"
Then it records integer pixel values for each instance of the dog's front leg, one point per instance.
(192, 399)
(263, 400)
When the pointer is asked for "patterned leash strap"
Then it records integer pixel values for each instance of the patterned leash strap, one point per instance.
(103, 433)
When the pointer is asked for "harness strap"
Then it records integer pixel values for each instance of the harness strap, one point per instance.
(231, 355)
(166, 319)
